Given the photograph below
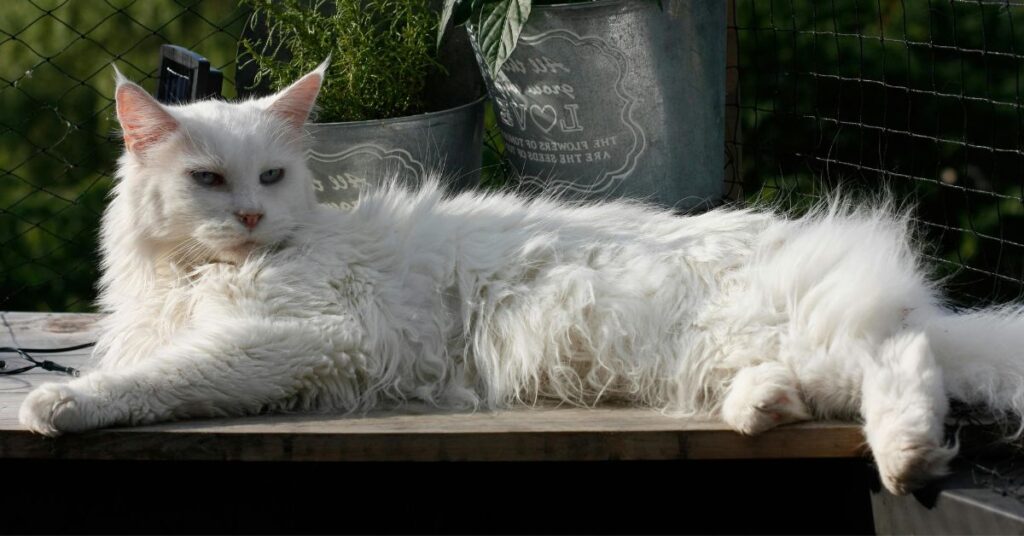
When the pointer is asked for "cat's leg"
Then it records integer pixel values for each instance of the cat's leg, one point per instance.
(762, 397)
(904, 406)
(234, 371)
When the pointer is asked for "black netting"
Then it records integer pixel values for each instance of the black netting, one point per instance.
(922, 97)
(58, 141)
(918, 97)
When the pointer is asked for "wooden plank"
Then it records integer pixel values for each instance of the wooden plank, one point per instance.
(414, 433)
(39, 330)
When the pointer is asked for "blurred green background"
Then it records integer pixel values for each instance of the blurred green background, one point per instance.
(58, 139)
(922, 97)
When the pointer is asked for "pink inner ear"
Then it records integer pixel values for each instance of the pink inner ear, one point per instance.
(295, 102)
(143, 120)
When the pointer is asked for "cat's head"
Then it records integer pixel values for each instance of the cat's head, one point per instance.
(213, 180)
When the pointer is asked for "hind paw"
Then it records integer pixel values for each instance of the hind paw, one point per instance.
(907, 466)
(761, 398)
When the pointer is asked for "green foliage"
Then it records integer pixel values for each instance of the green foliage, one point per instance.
(801, 68)
(919, 98)
(496, 24)
(381, 52)
(58, 131)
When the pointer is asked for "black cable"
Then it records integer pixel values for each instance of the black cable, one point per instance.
(45, 365)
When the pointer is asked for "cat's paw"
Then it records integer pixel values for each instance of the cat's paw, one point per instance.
(761, 398)
(907, 466)
(54, 408)
(904, 406)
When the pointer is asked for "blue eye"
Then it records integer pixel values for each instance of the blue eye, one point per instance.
(271, 176)
(208, 178)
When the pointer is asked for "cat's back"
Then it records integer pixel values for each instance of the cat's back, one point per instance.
(433, 216)
(407, 245)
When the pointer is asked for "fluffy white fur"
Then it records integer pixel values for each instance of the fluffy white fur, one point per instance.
(487, 300)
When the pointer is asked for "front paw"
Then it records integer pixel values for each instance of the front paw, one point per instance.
(53, 409)
(761, 398)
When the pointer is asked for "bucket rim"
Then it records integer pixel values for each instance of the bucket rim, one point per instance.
(569, 5)
(405, 118)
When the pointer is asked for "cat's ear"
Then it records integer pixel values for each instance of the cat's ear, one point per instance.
(295, 102)
(144, 121)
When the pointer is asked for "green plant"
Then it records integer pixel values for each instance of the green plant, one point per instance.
(497, 24)
(381, 52)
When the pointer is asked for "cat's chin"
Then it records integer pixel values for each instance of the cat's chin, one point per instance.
(238, 253)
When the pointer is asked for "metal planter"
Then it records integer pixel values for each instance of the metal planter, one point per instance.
(618, 98)
(351, 156)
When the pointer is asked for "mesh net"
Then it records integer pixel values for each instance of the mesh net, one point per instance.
(58, 141)
(918, 97)
(921, 97)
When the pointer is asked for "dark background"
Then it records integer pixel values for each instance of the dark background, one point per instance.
(919, 97)
(802, 496)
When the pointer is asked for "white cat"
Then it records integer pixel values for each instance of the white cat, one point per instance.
(231, 292)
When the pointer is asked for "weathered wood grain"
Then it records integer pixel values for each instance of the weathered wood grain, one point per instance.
(412, 434)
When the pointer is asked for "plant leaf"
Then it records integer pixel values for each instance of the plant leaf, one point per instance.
(464, 10)
(500, 23)
(455, 12)
(446, 14)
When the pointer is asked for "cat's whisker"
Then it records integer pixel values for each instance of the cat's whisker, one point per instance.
(188, 254)
(171, 253)
(175, 252)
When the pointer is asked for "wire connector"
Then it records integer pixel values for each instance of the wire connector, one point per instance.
(45, 364)
(56, 367)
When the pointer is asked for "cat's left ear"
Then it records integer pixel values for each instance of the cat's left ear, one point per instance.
(295, 102)
(144, 121)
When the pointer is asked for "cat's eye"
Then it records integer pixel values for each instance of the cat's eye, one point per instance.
(271, 176)
(208, 178)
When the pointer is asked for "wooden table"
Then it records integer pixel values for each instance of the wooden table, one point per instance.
(415, 434)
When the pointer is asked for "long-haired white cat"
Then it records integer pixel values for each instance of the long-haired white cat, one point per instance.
(231, 292)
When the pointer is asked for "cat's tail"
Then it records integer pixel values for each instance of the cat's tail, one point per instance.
(981, 353)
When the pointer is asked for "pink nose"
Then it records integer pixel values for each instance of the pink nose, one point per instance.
(249, 219)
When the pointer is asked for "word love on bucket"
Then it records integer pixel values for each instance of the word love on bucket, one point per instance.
(588, 107)
(534, 111)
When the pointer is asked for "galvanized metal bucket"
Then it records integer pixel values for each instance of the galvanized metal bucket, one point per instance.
(618, 98)
(349, 157)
